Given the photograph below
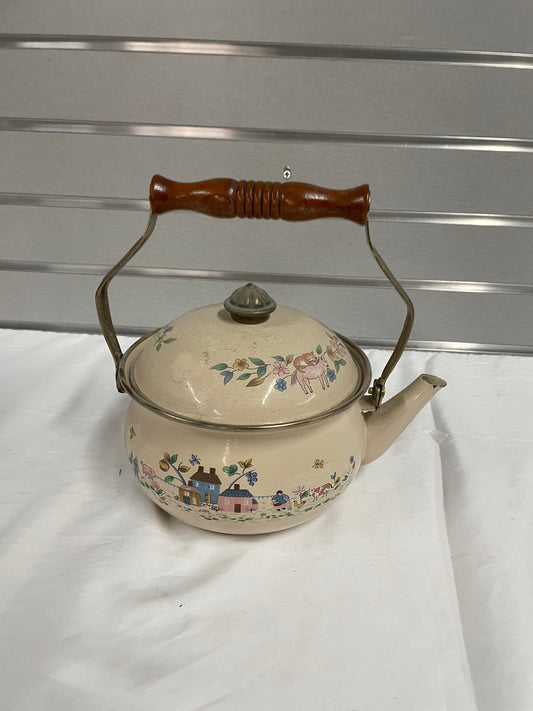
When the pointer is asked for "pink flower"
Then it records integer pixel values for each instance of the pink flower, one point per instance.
(338, 347)
(280, 369)
(149, 472)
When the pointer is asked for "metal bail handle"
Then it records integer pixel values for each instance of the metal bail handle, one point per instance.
(378, 389)
(224, 197)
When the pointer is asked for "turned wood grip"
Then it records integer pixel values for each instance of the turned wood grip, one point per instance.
(224, 197)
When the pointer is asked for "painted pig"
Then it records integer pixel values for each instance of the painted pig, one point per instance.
(309, 367)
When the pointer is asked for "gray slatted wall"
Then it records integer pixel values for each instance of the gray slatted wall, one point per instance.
(430, 103)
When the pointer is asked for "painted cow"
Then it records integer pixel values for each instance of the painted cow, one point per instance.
(319, 491)
(309, 367)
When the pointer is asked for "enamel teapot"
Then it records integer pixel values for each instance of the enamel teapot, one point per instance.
(263, 419)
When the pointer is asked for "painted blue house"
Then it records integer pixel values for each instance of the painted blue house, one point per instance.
(207, 484)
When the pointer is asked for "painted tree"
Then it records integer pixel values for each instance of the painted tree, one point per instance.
(169, 462)
(246, 470)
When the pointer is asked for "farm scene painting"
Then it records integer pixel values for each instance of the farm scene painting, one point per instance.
(228, 493)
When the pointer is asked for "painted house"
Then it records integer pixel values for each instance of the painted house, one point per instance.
(237, 500)
(207, 484)
(189, 495)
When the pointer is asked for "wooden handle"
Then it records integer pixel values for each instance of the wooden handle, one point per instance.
(224, 197)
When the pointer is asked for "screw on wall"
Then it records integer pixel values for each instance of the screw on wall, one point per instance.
(287, 173)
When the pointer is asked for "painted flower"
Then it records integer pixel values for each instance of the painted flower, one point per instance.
(241, 364)
(319, 464)
(331, 375)
(280, 385)
(149, 472)
(337, 347)
(161, 338)
(280, 369)
(251, 477)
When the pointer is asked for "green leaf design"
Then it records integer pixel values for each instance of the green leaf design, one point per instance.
(158, 347)
(170, 340)
(244, 376)
(280, 359)
(220, 366)
(342, 361)
(337, 365)
(230, 470)
(257, 361)
(289, 359)
(174, 459)
(319, 349)
(261, 371)
(169, 478)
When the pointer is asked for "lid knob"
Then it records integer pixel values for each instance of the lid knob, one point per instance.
(250, 304)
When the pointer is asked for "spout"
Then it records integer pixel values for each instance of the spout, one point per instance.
(386, 423)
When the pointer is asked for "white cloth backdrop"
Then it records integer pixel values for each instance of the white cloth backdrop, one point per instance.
(413, 591)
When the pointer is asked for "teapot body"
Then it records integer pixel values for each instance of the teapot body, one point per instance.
(244, 482)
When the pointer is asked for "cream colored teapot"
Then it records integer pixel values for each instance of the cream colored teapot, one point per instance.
(263, 419)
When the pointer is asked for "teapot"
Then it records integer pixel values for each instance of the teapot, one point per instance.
(263, 419)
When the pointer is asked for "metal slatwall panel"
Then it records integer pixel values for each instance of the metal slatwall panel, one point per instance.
(440, 128)
(455, 24)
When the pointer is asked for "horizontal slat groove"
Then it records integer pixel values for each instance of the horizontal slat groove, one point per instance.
(477, 219)
(229, 133)
(388, 344)
(466, 287)
(74, 202)
(507, 60)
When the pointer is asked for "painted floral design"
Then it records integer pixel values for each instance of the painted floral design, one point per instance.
(281, 385)
(241, 364)
(321, 364)
(163, 338)
(279, 368)
(147, 477)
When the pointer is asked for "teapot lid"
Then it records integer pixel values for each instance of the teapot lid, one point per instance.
(246, 364)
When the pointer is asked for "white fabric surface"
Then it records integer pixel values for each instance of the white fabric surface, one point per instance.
(413, 591)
